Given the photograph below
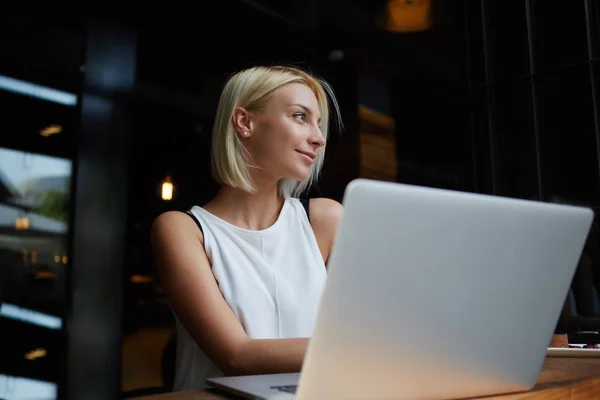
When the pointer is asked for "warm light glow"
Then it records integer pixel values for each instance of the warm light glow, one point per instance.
(140, 278)
(51, 130)
(64, 258)
(167, 189)
(33, 257)
(22, 223)
(44, 275)
(56, 258)
(408, 15)
(37, 353)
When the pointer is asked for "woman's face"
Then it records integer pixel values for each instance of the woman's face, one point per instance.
(286, 134)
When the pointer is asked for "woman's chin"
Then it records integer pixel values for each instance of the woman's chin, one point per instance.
(299, 173)
(298, 176)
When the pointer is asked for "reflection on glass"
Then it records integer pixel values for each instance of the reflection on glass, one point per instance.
(30, 316)
(34, 198)
(13, 388)
(33, 228)
(38, 91)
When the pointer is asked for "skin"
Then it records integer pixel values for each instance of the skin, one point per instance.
(281, 139)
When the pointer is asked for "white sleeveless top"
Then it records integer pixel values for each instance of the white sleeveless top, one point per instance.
(272, 279)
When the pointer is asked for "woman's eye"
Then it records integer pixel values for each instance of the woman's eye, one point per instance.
(300, 116)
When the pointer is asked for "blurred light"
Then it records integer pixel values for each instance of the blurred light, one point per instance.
(38, 91)
(21, 223)
(34, 354)
(167, 189)
(51, 130)
(34, 257)
(44, 275)
(408, 15)
(56, 258)
(140, 278)
(336, 55)
(30, 316)
(65, 259)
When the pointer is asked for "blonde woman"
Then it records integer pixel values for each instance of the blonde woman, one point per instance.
(245, 273)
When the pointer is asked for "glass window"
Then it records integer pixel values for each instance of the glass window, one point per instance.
(567, 136)
(507, 38)
(34, 198)
(559, 33)
(515, 143)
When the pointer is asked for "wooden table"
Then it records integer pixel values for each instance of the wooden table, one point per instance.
(561, 378)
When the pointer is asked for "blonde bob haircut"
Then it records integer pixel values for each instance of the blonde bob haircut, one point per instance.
(251, 89)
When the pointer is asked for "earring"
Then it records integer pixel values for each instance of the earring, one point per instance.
(245, 133)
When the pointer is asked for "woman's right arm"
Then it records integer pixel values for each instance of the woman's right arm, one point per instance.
(195, 298)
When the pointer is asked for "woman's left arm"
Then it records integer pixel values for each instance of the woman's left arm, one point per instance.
(325, 215)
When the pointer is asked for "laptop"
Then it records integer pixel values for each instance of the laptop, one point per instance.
(434, 294)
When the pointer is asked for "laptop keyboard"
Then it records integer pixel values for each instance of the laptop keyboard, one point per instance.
(286, 388)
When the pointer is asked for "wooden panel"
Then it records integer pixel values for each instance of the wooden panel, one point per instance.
(377, 145)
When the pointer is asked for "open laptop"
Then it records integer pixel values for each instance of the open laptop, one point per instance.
(434, 294)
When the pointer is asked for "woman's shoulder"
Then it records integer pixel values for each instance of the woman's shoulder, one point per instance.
(170, 218)
(172, 225)
(324, 211)
(325, 215)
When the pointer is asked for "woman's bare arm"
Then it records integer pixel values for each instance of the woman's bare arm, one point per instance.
(197, 301)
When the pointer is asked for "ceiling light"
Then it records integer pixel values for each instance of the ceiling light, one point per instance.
(405, 16)
(51, 130)
(21, 223)
(34, 354)
(167, 189)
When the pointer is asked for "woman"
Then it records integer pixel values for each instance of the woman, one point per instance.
(245, 274)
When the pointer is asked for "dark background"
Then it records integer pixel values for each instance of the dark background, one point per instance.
(496, 97)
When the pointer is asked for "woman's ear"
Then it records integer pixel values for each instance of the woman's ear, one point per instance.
(241, 122)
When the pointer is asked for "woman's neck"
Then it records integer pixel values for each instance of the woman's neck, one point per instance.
(256, 211)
